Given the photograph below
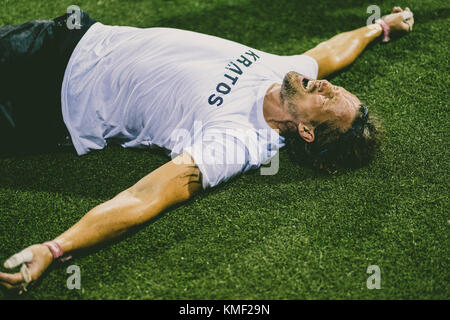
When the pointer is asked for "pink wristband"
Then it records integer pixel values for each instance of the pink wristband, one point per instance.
(56, 250)
(386, 30)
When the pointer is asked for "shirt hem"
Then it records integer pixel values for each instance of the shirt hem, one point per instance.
(64, 105)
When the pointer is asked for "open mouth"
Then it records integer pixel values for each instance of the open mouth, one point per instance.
(305, 81)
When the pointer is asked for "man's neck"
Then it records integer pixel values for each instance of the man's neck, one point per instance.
(275, 114)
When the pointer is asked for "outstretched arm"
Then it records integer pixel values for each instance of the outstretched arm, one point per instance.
(174, 182)
(168, 185)
(341, 50)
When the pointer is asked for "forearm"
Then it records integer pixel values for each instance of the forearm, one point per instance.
(108, 221)
(169, 185)
(341, 50)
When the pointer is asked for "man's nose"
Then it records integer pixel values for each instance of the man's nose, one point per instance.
(325, 87)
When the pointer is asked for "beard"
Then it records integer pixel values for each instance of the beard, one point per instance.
(288, 92)
(288, 87)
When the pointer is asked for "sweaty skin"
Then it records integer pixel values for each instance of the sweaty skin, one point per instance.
(180, 179)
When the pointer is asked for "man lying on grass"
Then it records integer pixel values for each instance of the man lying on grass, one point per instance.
(201, 97)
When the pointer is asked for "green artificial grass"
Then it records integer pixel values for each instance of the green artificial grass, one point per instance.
(294, 235)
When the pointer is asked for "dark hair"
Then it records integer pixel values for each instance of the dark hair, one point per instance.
(333, 149)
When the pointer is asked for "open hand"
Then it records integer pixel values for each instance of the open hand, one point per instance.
(33, 260)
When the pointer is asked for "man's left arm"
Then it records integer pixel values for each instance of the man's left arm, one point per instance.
(341, 50)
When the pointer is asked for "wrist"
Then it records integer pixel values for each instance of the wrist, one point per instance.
(373, 31)
(56, 251)
(54, 248)
(47, 253)
(377, 27)
(386, 29)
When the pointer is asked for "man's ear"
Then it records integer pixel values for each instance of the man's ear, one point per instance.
(306, 132)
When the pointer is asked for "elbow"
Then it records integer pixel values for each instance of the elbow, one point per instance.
(192, 188)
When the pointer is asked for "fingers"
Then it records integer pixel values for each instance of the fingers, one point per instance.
(9, 286)
(12, 282)
(405, 26)
(23, 256)
(15, 278)
(17, 281)
(26, 275)
(396, 10)
(408, 19)
(17, 288)
(407, 14)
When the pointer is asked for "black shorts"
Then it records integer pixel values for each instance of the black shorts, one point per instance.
(33, 59)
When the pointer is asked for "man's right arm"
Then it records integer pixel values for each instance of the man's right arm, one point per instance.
(172, 183)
